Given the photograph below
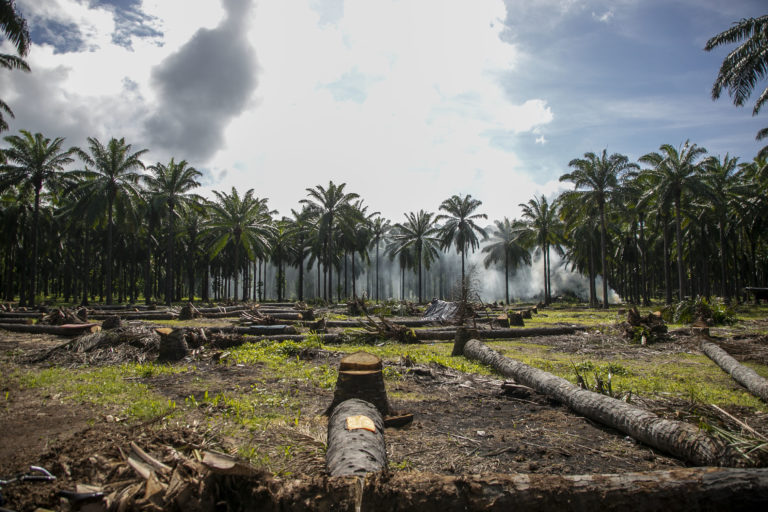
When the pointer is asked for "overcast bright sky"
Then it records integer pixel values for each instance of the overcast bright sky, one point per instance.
(407, 101)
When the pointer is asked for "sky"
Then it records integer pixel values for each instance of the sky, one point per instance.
(408, 102)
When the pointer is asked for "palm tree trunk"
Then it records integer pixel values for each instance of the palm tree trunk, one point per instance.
(169, 260)
(644, 263)
(108, 270)
(418, 255)
(86, 270)
(354, 289)
(678, 438)
(506, 275)
(679, 241)
(723, 263)
(667, 283)
(234, 269)
(546, 284)
(35, 222)
(377, 271)
(603, 257)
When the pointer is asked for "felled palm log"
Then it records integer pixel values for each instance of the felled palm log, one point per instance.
(255, 330)
(60, 330)
(62, 316)
(137, 315)
(360, 376)
(255, 317)
(20, 314)
(744, 375)
(680, 439)
(676, 489)
(224, 340)
(355, 439)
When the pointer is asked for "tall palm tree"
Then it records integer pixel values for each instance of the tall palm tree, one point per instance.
(14, 27)
(722, 185)
(242, 222)
(37, 161)
(417, 233)
(170, 185)
(326, 204)
(114, 178)
(676, 172)
(542, 230)
(379, 229)
(460, 228)
(595, 179)
(505, 245)
(300, 228)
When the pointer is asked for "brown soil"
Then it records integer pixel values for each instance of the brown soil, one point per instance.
(464, 424)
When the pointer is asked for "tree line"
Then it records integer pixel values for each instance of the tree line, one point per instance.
(678, 222)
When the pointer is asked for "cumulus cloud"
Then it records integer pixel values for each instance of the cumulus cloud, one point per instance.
(203, 85)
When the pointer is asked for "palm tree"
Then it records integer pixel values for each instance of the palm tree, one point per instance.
(505, 245)
(326, 205)
(675, 172)
(379, 229)
(14, 27)
(744, 67)
(36, 161)
(541, 229)
(113, 179)
(170, 185)
(301, 235)
(599, 178)
(420, 234)
(460, 228)
(242, 222)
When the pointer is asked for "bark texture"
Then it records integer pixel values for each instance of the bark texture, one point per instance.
(360, 376)
(745, 376)
(359, 451)
(679, 439)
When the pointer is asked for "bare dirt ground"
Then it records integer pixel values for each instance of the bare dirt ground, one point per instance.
(464, 423)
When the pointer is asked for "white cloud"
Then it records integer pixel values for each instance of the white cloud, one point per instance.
(424, 77)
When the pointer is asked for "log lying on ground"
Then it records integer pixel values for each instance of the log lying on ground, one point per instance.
(355, 439)
(677, 489)
(60, 330)
(745, 376)
(137, 315)
(16, 320)
(501, 334)
(404, 322)
(234, 340)
(21, 314)
(256, 330)
(677, 438)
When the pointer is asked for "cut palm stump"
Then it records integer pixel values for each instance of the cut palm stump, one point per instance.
(360, 376)
(355, 439)
(173, 345)
(677, 438)
(744, 375)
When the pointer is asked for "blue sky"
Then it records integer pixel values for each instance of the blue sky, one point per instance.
(408, 102)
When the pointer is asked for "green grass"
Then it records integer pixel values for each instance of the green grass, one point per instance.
(112, 387)
(687, 376)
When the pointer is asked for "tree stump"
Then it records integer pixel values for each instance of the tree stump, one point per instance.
(173, 346)
(360, 377)
(355, 439)
(111, 322)
(463, 335)
(515, 319)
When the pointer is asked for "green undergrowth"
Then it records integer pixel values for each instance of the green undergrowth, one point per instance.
(115, 387)
(687, 376)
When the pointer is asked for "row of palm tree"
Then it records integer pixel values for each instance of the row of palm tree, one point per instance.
(614, 224)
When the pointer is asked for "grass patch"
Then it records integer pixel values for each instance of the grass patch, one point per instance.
(687, 376)
(112, 387)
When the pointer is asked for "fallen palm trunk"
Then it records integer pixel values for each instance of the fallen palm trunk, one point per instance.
(17, 320)
(745, 376)
(233, 340)
(137, 315)
(21, 314)
(499, 334)
(60, 330)
(362, 323)
(223, 309)
(355, 439)
(680, 439)
(256, 330)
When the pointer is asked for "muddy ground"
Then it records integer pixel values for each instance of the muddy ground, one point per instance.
(464, 423)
